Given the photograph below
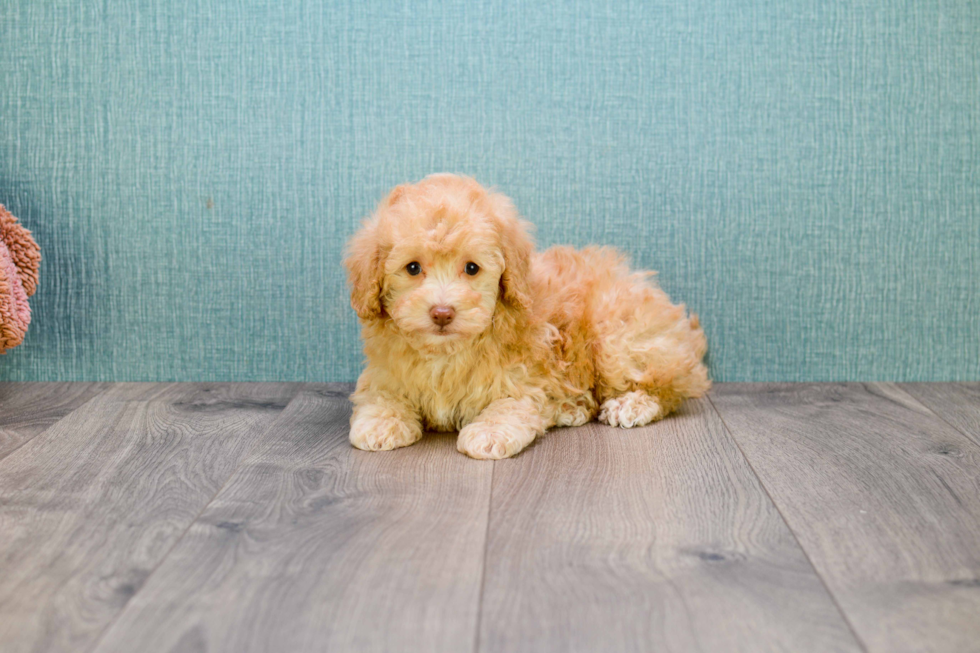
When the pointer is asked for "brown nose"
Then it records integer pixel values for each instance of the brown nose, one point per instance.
(442, 315)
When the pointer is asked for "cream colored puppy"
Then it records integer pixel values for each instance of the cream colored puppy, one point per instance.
(466, 328)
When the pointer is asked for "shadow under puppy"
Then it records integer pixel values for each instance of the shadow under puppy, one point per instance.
(467, 328)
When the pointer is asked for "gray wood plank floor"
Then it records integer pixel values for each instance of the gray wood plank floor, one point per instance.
(90, 507)
(884, 497)
(605, 539)
(235, 517)
(28, 409)
(316, 546)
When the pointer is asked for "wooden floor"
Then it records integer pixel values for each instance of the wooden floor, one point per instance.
(236, 517)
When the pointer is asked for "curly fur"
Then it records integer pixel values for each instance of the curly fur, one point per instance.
(545, 339)
(20, 258)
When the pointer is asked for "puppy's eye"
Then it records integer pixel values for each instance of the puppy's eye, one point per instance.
(413, 268)
(472, 268)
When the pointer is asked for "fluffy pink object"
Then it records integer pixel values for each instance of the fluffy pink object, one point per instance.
(19, 260)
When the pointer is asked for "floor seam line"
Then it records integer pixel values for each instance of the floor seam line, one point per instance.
(183, 534)
(483, 573)
(789, 527)
(901, 386)
(58, 421)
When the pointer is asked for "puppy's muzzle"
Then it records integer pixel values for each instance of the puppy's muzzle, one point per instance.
(442, 315)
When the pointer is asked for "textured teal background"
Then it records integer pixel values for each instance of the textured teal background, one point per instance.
(805, 175)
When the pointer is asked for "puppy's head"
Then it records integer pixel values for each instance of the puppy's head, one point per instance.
(440, 258)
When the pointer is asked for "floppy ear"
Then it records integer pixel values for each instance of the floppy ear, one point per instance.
(365, 271)
(365, 261)
(517, 246)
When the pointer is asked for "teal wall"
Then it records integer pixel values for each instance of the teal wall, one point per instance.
(805, 175)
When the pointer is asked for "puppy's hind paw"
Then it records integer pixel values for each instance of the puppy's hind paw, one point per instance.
(575, 412)
(629, 410)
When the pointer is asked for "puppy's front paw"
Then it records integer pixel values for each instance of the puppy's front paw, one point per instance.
(381, 433)
(487, 441)
(631, 409)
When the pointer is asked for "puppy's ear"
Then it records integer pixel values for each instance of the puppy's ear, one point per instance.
(517, 245)
(366, 258)
(365, 271)
(396, 194)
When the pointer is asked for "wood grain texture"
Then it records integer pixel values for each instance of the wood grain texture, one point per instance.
(91, 506)
(883, 496)
(657, 538)
(956, 403)
(27, 409)
(316, 546)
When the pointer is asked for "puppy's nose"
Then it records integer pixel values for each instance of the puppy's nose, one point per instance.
(442, 315)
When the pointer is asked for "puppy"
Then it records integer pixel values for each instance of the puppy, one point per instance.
(466, 328)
